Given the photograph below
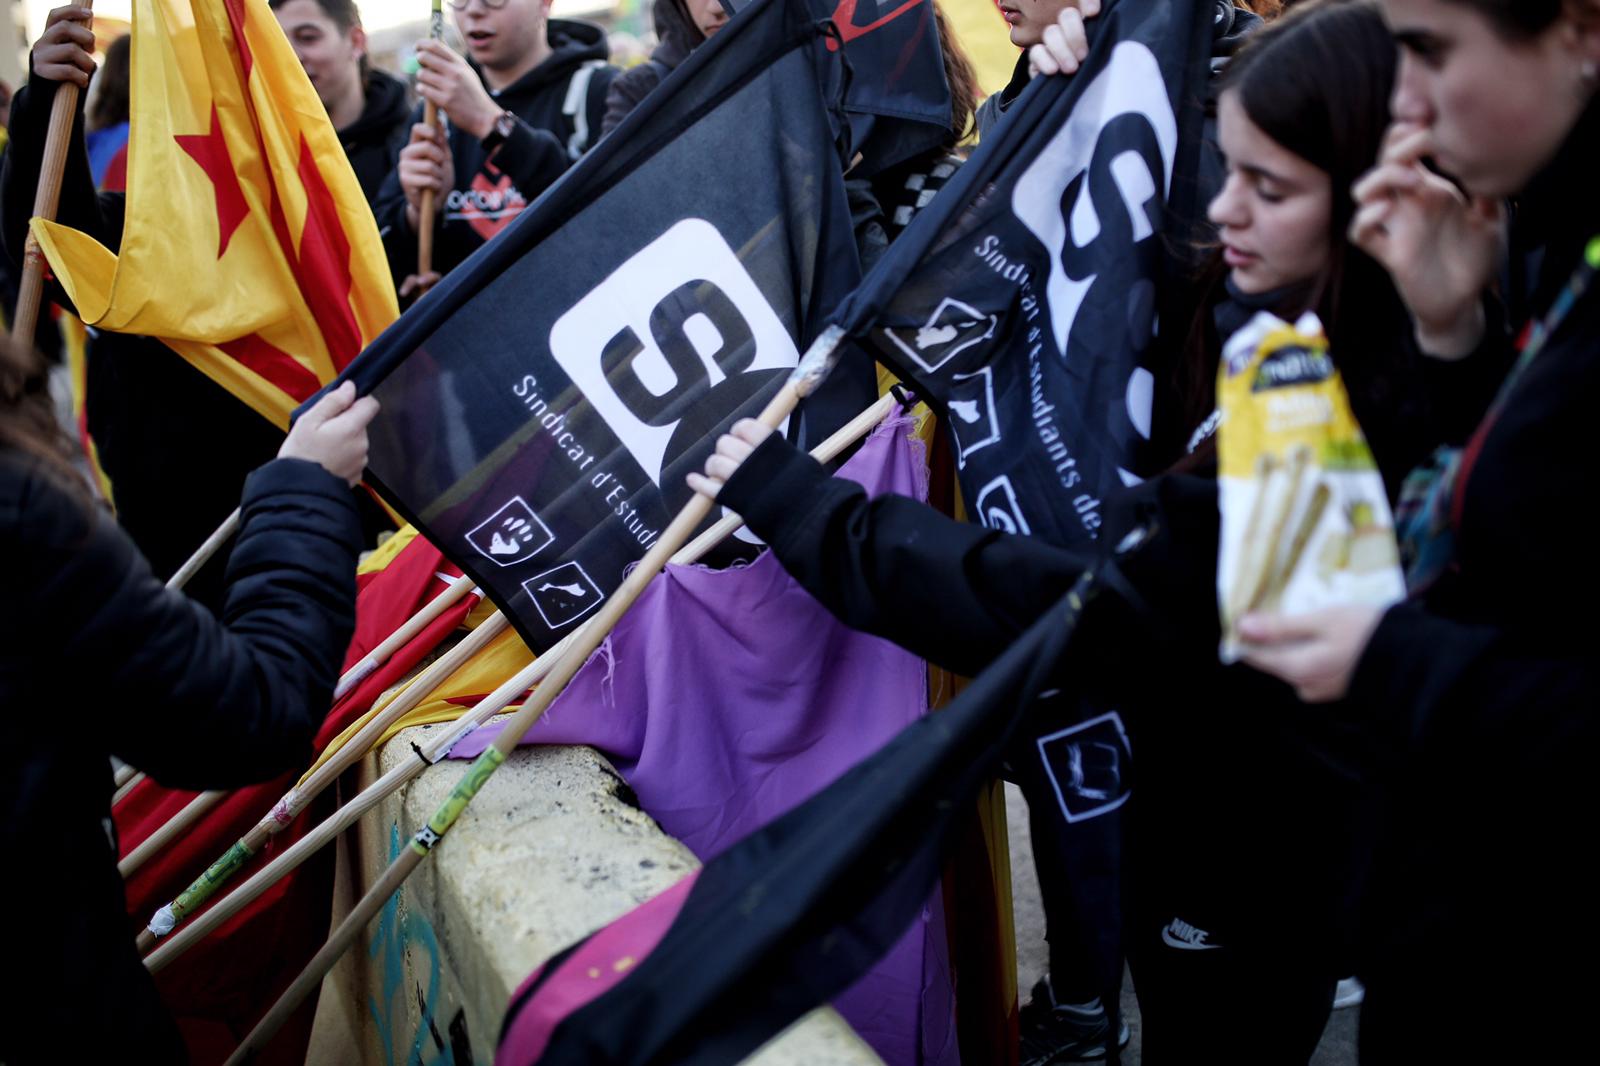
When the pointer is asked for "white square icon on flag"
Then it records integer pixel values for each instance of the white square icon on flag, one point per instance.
(511, 535)
(563, 595)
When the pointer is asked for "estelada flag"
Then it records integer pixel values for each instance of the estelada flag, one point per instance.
(247, 245)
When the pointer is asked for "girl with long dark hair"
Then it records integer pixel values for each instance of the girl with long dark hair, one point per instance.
(1248, 825)
(98, 659)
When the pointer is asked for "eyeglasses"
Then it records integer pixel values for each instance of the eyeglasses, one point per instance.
(492, 5)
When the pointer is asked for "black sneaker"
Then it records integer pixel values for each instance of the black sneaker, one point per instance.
(1056, 1032)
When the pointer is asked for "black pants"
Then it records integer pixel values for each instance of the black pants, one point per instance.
(1202, 999)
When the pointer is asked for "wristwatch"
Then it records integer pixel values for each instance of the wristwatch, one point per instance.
(503, 125)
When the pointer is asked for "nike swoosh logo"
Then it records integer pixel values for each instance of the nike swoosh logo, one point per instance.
(1173, 942)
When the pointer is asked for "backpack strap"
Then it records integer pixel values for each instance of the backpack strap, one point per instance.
(576, 107)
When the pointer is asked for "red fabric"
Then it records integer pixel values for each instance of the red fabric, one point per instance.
(115, 179)
(273, 363)
(222, 986)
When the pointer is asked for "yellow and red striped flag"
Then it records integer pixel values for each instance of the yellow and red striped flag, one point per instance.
(247, 246)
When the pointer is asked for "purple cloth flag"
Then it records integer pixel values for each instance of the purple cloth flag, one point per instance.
(726, 698)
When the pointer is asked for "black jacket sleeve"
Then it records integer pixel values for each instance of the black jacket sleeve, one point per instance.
(98, 215)
(954, 593)
(626, 91)
(194, 703)
(534, 158)
(1429, 683)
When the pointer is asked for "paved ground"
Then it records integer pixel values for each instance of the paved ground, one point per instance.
(1338, 1047)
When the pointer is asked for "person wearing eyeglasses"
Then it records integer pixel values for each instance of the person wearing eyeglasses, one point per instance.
(526, 100)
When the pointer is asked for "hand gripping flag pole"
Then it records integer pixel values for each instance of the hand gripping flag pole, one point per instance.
(441, 744)
(425, 209)
(805, 378)
(30, 293)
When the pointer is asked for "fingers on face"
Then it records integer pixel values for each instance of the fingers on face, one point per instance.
(1407, 144)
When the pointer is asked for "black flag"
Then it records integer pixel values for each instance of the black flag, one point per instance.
(789, 916)
(541, 407)
(1022, 301)
(897, 97)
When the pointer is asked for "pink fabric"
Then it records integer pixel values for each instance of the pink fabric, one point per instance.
(596, 967)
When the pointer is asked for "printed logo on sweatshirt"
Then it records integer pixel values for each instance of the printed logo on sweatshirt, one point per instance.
(1185, 937)
(488, 205)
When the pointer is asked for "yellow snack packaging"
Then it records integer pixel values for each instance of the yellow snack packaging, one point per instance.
(1305, 519)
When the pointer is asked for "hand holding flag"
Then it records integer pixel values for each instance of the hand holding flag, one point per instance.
(65, 49)
(333, 434)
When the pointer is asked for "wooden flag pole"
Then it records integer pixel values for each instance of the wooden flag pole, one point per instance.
(342, 819)
(126, 787)
(193, 812)
(295, 800)
(359, 672)
(826, 452)
(46, 198)
(810, 373)
(440, 745)
(430, 117)
(203, 554)
(287, 807)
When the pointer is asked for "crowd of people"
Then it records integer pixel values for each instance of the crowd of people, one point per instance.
(1394, 793)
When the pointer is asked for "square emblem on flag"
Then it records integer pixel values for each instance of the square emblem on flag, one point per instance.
(511, 535)
(563, 595)
(1085, 764)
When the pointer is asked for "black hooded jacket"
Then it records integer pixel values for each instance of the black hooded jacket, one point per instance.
(97, 658)
(1485, 696)
(373, 141)
(559, 106)
(678, 36)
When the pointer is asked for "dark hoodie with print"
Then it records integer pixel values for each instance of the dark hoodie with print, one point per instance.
(373, 141)
(558, 105)
(678, 36)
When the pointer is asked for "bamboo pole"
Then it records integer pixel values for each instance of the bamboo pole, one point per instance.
(440, 746)
(295, 800)
(203, 554)
(342, 819)
(191, 814)
(359, 671)
(826, 452)
(46, 198)
(127, 787)
(812, 369)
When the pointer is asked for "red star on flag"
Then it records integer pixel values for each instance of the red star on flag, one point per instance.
(210, 150)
